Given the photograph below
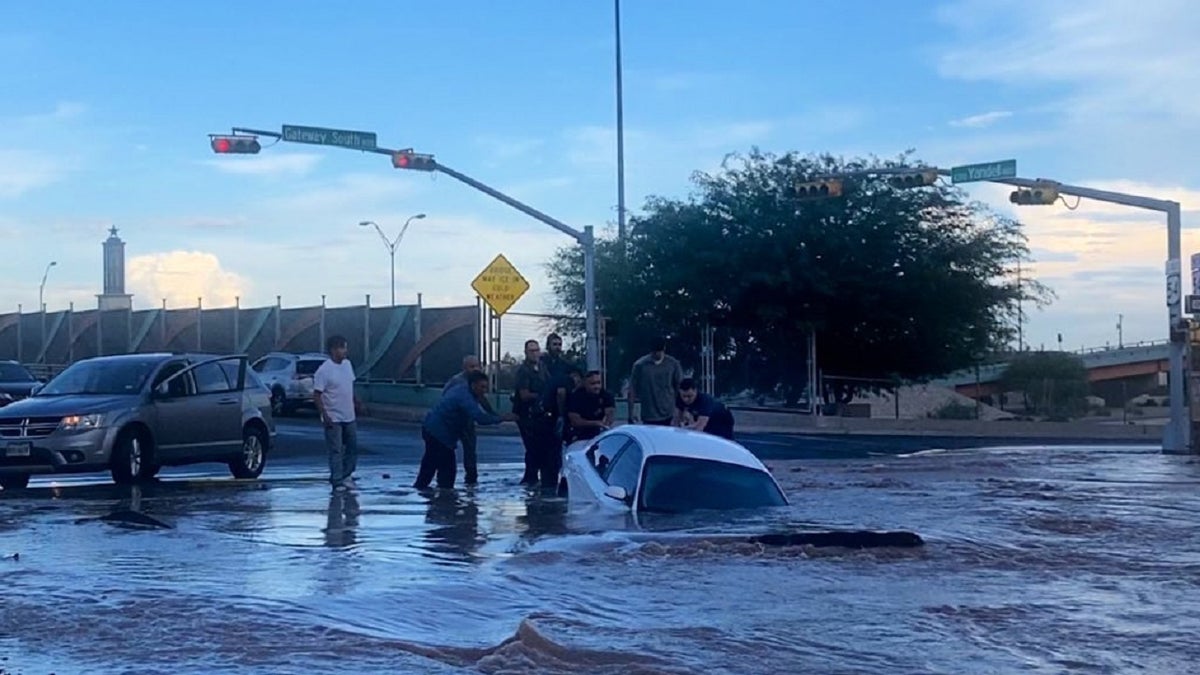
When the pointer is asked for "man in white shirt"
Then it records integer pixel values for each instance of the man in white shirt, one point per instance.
(333, 393)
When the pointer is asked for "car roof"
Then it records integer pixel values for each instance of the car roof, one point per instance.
(295, 355)
(149, 356)
(677, 442)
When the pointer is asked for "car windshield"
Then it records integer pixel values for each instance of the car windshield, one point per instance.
(307, 367)
(681, 484)
(12, 372)
(100, 377)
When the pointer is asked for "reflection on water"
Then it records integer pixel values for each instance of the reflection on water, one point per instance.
(1070, 559)
(342, 519)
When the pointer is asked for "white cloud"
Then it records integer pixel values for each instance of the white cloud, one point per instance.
(294, 164)
(22, 171)
(1118, 80)
(982, 120)
(180, 277)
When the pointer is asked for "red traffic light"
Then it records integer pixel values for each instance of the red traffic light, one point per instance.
(414, 161)
(244, 145)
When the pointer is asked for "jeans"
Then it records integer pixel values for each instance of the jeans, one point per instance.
(439, 459)
(470, 442)
(341, 438)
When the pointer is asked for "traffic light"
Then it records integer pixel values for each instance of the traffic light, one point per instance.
(414, 161)
(1043, 194)
(235, 145)
(913, 180)
(819, 189)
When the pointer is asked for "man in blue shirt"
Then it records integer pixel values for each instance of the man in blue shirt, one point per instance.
(469, 440)
(701, 412)
(445, 424)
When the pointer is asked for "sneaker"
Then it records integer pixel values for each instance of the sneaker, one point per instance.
(349, 484)
(339, 488)
(471, 480)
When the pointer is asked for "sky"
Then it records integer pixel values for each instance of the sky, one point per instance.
(107, 108)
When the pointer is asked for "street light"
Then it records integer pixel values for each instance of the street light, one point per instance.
(42, 307)
(42, 288)
(392, 244)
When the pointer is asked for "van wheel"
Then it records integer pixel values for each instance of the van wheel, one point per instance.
(14, 481)
(132, 458)
(250, 461)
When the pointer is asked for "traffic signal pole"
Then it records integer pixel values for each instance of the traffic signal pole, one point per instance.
(586, 237)
(1177, 435)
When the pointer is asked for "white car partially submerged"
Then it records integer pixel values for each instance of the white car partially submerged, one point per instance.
(666, 470)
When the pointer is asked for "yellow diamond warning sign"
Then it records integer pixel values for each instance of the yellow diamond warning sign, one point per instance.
(500, 285)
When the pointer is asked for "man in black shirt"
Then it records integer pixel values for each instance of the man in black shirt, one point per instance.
(702, 412)
(535, 423)
(590, 409)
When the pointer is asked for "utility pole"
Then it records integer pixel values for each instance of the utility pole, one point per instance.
(1020, 311)
(1120, 331)
(620, 132)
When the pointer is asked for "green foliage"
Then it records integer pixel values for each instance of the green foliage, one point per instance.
(897, 284)
(1055, 383)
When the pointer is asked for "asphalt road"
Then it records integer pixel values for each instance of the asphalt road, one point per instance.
(400, 443)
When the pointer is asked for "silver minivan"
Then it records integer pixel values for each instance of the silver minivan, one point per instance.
(135, 413)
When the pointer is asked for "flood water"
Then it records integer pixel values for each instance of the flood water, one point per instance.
(1037, 560)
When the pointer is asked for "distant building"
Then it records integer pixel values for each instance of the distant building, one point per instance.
(114, 295)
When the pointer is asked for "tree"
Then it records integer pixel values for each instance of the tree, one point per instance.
(1054, 383)
(897, 284)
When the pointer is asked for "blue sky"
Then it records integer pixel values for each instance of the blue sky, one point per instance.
(107, 108)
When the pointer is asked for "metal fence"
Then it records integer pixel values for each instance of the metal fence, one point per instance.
(405, 343)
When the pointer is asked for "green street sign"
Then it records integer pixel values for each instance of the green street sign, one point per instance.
(357, 140)
(971, 173)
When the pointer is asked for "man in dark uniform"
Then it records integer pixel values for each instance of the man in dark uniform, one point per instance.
(536, 426)
(590, 409)
(701, 412)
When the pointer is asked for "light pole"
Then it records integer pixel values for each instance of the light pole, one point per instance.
(42, 288)
(620, 131)
(42, 307)
(392, 244)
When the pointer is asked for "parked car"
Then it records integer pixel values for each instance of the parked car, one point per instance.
(290, 379)
(16, 382)
(666, 470)
(133, 414)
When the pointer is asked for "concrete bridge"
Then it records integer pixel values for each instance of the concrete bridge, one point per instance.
(1138, 364)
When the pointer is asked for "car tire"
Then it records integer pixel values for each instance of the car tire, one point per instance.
(250, 462)
(132, 459)
(14, 481)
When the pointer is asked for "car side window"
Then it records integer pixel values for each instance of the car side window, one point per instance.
(261, 365)
(178, 386)
(602, 452)
(210, 379)
(625, 467)
(232, 368)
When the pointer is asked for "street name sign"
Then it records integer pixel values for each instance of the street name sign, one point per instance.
(971, 173)
(357, 140)
(500, 285)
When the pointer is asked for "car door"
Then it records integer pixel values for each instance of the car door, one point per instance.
(218, 406)
(200, 419)
(174, 431)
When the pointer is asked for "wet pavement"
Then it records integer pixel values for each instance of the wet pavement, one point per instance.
(1066, 559)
